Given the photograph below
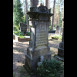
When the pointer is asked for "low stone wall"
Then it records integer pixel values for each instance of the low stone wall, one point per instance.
(17, 38)
(23, 39)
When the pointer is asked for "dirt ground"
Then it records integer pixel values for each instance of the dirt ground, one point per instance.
(19, 50)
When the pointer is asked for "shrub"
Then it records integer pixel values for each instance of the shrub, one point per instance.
(14, 74)
(50, 68)
(15, 27)
(57, 37)
(23, 72)
(49, 28)
(18, 33)
(28, 33)
(22, 36)
(54, 28)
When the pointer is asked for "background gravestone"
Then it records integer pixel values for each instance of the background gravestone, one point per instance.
(57, 30)
(23, 28)
(38, 49)
(61, 46)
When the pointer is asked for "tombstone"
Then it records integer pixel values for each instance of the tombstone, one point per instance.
(61, 31)
(61, 46)
(57, 30)
(23, 28)
(38, 49)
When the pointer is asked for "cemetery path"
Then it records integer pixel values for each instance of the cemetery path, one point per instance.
(54, 44)
(19, 50)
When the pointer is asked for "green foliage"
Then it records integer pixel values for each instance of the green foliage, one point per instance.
(18, 33)
(52, 68)
(17, 12)
(16, 28)
(54, 27)
(23, 72)
(28, 33)
(49, 28)
(22, 36)
(24, 19)
(57, 37)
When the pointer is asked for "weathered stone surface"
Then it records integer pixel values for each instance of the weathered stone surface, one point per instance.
(38, 12)
(38, 46)
(61, 49)
(23, 28)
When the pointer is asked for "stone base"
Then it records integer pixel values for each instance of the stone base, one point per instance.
(59, 58)
(61, 49)
(23, 39)
(31, 62)
(61, 52)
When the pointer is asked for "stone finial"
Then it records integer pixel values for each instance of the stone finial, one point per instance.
(41, 4)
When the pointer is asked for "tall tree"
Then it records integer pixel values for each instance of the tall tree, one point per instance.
(62, 16)
(17, 13)
(60, 8)
(53, 15)
(58, 13)
(47, 3)
(26, 15)
(34, 3)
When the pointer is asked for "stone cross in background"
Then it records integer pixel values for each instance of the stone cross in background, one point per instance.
(38, 49)
(23, 28)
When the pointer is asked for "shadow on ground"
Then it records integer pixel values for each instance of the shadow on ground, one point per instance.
(19, 50)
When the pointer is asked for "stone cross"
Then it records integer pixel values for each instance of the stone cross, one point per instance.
(38, 49)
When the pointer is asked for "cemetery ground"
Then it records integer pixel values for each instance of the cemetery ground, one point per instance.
(19, 50)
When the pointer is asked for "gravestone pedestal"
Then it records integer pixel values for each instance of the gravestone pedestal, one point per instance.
(61, 49)
(38, 49)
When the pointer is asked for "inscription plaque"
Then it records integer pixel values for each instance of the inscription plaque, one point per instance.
(41, 34)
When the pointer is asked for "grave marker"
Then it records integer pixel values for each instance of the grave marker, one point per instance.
(61, 46)
(23, 28)
(38, 46)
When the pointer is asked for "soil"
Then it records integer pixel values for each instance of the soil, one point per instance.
(19, 51)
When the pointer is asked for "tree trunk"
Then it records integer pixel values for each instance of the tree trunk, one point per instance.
(47, 3)
(26, 16)
(53, 15)
(63, 16)
(34, 3)
(58, 14)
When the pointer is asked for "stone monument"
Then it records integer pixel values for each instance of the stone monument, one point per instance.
(23, 28)
(38, 49)
(61, 46)
(57, 30)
